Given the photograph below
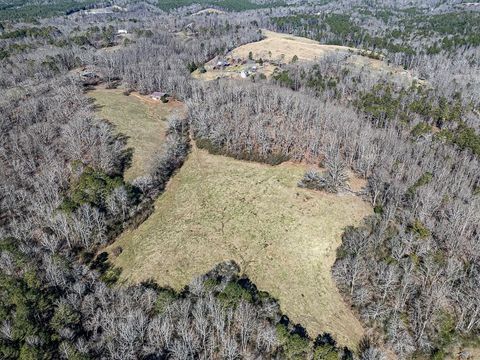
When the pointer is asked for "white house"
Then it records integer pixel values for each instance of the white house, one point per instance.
(122, 32)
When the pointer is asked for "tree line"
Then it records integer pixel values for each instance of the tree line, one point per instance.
(411, 271)
(63, 197)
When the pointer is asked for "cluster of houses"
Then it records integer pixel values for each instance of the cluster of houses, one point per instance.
(248, 71)
(222, 63)
(105, 10)
(249, 66)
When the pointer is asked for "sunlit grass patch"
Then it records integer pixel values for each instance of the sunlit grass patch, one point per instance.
(283, 237)
(143, 120)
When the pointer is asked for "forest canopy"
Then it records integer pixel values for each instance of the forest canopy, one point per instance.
(384, 109)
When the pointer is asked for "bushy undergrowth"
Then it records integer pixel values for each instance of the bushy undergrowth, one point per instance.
(274, 158)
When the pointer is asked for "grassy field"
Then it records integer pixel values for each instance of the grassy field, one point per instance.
(143, 120)
(283, 237)
(209, 11)
(280, 48)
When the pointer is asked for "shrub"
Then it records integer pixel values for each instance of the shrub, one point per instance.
(311, 180)
(117, 250)
(210, 284)
(325, 352)
(111, 276)
(164, 99)
(466, 138)
(422, 180)
(274, 158)
(294, 346)
(284, 79)
(64, 316)
(378, 209)
(100, 263)
(341, 253)
(440, 257)
(445, 328)
(325, 348)
(419, 229)
(233, 294)
(333, 180)
(192, 66)
(92, 187)
(207, 144)
(438, 354)
(164, 298)
(420, 129)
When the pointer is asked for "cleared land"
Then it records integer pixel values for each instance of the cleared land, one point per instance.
(283, 237)
(282, 47)
(209, 11)
(141, 119)
(278, 48)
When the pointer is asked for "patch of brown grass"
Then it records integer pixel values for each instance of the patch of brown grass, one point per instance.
(283, 47)
(284, 238)
(209, 11)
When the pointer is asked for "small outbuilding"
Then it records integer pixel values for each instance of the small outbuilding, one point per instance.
(158, 95)
(88, 74)
(223, 63)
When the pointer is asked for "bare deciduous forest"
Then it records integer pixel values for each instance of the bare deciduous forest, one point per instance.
(411, 272)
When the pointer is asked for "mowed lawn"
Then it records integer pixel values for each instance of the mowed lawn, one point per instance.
(283, 237)
(143, 120)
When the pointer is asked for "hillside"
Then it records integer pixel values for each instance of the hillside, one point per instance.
(321, 202)
(283, 237)
(277, 49)
(282, 47)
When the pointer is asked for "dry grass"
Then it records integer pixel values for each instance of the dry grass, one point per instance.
(280, 48)
(209, 11)
(473, 351)
(283, 237)
(143, 120)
